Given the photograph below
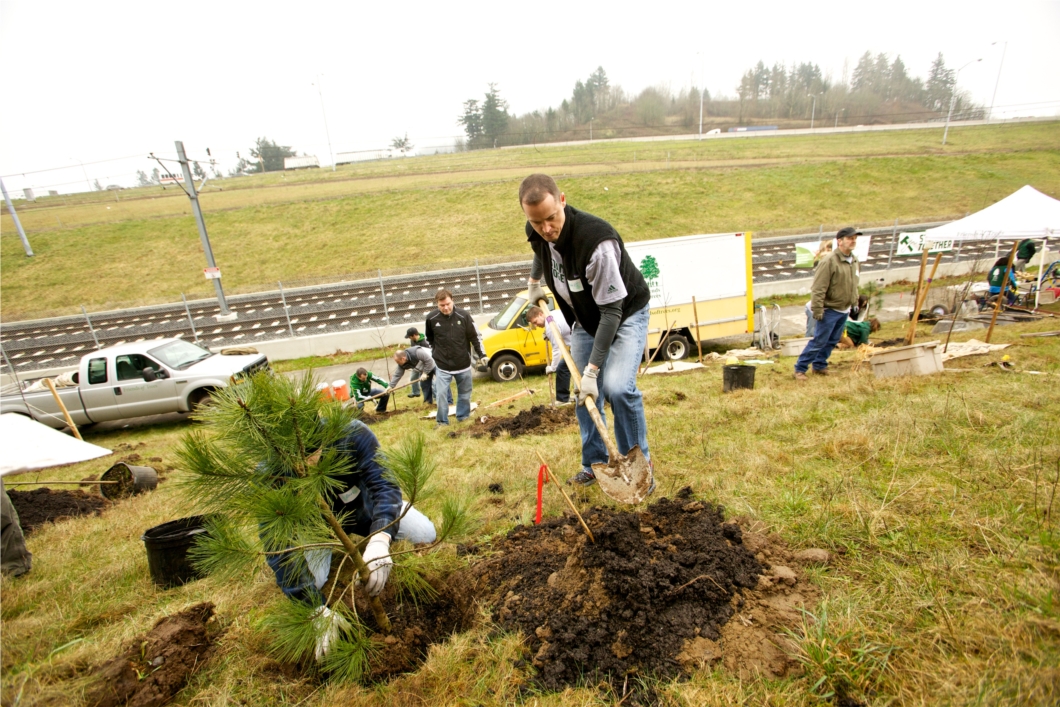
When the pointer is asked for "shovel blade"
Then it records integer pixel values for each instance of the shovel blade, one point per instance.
(627, 479)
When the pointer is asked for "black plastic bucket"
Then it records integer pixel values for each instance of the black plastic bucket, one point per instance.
(736, 377)
(167, 551)
(132, 480)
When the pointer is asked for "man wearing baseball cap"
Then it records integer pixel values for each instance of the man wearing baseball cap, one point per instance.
(835, 291)
(416, 339)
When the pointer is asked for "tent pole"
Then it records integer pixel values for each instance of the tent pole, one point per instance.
(1001, 294)
(1041, 268)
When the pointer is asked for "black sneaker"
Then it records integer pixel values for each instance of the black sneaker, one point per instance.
(413, 395)
(585, 477)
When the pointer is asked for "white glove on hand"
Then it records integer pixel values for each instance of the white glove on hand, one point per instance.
(377, 557)
(536, 293)
(484, 362)
(549, 370)
(588, 387)
(327, 624)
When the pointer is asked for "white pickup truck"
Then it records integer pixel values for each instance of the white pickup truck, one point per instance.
(133, 380)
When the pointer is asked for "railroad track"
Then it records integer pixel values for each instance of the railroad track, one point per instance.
(398, 301)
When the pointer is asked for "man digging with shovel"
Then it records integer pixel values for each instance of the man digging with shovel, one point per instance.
(536, 317)
(597, 286)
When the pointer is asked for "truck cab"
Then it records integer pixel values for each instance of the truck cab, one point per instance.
(511, 345)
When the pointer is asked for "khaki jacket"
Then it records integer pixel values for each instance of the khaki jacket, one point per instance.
(835, 284)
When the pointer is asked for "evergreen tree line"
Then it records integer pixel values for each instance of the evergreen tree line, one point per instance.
(878, 91)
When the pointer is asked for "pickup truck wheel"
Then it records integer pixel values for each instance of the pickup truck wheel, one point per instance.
(506, 367)
(200, 400)
(676, 347)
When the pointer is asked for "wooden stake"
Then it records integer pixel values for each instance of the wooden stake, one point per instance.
(510, 398)
(699, 346)
(657, 349)
(921, 298)
(1001, 294)
(66, 413)
(565, 497)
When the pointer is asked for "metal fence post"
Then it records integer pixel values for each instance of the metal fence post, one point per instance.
(286, 313)
(382, 291)
(191, 321)
(90, 326)
(894, 239)
(478, 280)
(997, 247)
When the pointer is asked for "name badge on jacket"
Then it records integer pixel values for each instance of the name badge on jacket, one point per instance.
(575, 285)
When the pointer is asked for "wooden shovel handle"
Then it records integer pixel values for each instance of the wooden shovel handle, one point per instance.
(590, 404)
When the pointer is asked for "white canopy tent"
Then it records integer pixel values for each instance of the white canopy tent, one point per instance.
(1027, 213)
(29, 445)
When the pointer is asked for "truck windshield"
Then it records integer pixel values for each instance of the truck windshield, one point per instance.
(506, 315)
(180, 354)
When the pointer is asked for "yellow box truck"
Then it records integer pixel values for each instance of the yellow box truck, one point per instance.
(715, 269)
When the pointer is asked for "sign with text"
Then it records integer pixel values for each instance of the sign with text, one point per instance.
(212, 273)
(912, 243)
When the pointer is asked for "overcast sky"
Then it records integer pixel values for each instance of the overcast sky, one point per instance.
(95, 81)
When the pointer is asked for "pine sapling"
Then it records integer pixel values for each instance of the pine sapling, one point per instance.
(264, 469)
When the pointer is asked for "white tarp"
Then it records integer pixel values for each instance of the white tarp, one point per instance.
(1025, 214)
(29, 445)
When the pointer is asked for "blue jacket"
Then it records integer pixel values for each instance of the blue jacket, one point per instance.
(369, 500)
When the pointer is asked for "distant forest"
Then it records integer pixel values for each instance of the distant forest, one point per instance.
(878, 91)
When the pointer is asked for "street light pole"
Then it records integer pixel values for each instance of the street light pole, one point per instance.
(814, 110)
(998, 78)
(591, 129)
(841, 110)
(84, 172)
(953, 97)
(325, 114)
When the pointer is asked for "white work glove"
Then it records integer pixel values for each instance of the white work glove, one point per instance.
(536, 293)
(484, 362)
(549, 370)
(377, 557)
(327, 624)
(588, 387)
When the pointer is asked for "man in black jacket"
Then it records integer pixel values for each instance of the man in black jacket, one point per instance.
(452, 334)
(602, 292)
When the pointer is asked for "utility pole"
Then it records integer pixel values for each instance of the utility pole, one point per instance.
(18, 224)
(953, 97)
(702, 91)
(998, 81)
(189, 189)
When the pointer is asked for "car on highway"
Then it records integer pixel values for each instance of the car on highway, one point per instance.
(133, 380)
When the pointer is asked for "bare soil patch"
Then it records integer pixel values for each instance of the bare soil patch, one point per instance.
(45, 505)
(539, 420)
(370, 418)
(662, 592)
(156, 666)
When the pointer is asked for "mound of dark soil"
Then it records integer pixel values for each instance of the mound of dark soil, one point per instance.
(656, 594)
(156, 666)
(44, 505)
(539, 420)
(370, 418)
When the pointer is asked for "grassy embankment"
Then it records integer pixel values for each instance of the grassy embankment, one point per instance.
(105, 250)
(937, 495)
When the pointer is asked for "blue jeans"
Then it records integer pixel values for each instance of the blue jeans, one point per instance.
(811, 323)
(442, 394)
(415, 382)
(380, 403)
(825, 337)
(617, 382)
(562, 382)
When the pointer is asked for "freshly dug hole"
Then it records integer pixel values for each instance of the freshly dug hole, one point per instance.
(653, 596)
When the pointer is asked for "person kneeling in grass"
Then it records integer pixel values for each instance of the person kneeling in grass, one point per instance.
(361, 389)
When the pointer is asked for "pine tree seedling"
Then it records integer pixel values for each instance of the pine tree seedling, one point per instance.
(263, 469)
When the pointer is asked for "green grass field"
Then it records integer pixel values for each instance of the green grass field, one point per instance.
(107, 250)
(936, 494)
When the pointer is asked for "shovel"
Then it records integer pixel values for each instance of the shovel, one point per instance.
(625, 478)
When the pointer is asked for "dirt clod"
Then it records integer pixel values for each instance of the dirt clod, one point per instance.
(540, 419)
(651, 596)
(44, 505)
(156, 666)
(813, 556)
(496, 488)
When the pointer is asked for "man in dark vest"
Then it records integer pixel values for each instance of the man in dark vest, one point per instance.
(602, 293)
